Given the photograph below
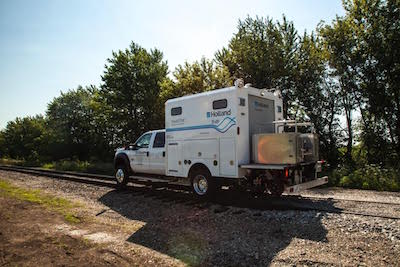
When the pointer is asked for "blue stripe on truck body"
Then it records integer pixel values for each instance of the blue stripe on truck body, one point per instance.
(231, 122)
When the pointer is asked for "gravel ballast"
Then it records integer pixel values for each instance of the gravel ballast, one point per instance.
(213, 234)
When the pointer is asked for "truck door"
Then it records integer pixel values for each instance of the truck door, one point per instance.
(139, 162)
(156, 157)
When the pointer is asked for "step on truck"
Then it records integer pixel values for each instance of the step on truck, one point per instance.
(235, 136)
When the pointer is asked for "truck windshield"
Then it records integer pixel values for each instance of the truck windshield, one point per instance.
(143, 141)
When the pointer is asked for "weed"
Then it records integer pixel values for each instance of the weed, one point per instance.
(60, 205)
(97, 167)
(71, 218)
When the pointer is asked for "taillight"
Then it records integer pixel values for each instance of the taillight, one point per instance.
(238, 130)
(286, 173)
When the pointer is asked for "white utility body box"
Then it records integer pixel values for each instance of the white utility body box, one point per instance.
(215, 128)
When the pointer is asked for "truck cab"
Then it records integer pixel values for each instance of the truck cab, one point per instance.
(146, 155)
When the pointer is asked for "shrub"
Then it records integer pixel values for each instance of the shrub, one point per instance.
(81, 166)
(68, 165)
(371, 177)
(337, 174)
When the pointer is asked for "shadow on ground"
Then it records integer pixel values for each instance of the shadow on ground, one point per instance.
(233, 229)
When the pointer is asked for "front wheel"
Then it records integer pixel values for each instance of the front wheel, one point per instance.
(121, 176)
(202, 184)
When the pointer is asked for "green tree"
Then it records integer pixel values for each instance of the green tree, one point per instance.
(315, 95)
(363, 53)
(342, 57)
(2, 145)
(271, 54)
(195, 78)
(264, 53)
(131, 86)
(101, 126)
(376, 28)
(74, 130)
(24, 138)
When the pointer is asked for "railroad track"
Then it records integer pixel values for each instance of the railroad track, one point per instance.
(351, 200)
(225, 201)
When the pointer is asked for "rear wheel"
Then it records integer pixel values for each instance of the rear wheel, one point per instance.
(121, 176)
(202, 183)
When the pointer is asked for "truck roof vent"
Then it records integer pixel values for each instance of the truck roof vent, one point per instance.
(239, 83)
(247, 85)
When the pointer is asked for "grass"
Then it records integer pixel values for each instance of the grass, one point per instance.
(6, 161)
(81, 166)
(60, 205)
(96, 167)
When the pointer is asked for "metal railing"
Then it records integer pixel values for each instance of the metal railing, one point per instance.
(293, 123)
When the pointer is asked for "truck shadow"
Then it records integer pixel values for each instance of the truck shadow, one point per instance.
(232, 229)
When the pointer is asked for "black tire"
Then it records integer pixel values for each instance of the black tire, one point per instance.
(121, 176)
(203, 185)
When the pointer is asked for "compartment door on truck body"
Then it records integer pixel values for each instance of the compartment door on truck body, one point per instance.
(227, 156)
(139, 158)
(156, 157)
(174, 158)
(203, 151)
(261, 115)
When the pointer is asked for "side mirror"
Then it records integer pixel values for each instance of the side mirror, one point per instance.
(133, 147)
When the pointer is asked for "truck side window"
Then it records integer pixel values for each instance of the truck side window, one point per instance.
(279, 109)
(159, 140)
(143, 141)
(176, 111)
(219, 104)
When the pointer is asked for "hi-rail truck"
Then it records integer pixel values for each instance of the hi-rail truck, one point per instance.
(235, 136)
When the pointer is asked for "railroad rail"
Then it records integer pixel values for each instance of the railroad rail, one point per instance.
(350, 200)
(177, 193)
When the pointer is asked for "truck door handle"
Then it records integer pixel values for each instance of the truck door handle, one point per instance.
(147, 153)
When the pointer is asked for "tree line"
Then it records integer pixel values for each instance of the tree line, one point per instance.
(343, 76)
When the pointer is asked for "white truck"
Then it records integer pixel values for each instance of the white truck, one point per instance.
(232, 136)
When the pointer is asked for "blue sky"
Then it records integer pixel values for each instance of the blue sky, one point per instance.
(52, 46)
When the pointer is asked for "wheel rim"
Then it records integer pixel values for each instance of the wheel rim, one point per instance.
(200, 184)
(120, 175)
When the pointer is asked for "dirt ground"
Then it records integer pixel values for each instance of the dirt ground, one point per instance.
(33, 236)
(121, 228)
(25, 239)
